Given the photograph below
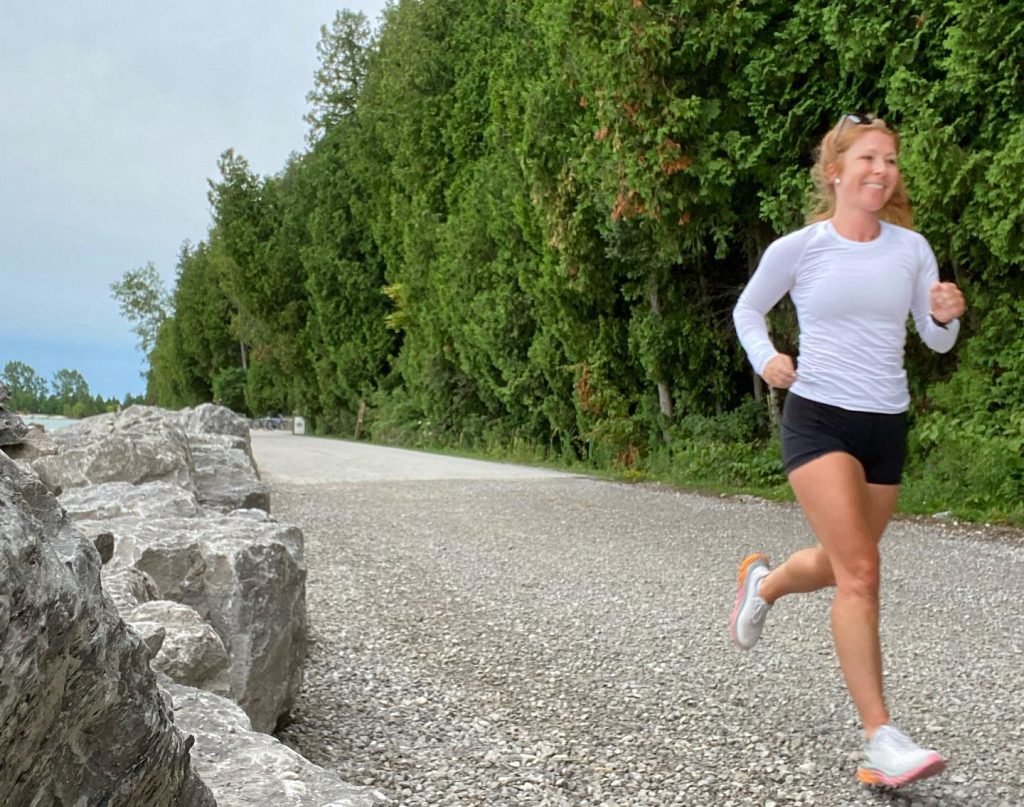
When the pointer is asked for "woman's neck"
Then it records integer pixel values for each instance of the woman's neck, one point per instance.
(857, 225)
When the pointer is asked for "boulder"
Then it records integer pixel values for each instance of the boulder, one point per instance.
(210, 418)
(243, 767)
(244, 573)
(139, 444)
(191, 652)
(34, 444)
(82, 720)
(127, 586)
(12, 428)
(116, 499)
(225, 474)
(137, 419)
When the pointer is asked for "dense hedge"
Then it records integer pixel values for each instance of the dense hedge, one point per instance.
(525, 224)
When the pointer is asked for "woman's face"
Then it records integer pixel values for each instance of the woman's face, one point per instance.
(868, 172)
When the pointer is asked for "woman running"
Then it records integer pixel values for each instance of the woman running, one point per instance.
(854, 274)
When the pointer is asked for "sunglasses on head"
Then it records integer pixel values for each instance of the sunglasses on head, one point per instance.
(858, 119)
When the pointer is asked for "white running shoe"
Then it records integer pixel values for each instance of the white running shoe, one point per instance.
(747, 620)
(893, 759)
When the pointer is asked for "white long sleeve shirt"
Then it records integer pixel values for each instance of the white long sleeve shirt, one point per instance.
(852, 301)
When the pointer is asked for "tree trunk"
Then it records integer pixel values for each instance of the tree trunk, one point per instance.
(360, 415)
(664, 391)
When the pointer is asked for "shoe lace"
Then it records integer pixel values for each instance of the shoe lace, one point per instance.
(894, 739)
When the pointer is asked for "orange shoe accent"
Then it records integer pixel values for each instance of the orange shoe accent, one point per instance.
(749, 561)
(867, 777)
(935, 765)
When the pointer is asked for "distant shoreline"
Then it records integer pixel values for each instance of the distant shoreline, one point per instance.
(49, 423)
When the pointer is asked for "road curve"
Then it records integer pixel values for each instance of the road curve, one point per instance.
(287, 459)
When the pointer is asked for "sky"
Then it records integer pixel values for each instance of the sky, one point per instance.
(113, 115)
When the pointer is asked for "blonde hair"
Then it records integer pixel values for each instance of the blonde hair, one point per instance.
(830, 153)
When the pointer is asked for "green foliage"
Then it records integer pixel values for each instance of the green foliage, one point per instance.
(343, 53)
(526, 223)
(229, 388)
(972, 475)
(27, 388)
(265, 390)
(144, 302)
(967, 445)
(67, 394)
(72, 392)
(728, 450)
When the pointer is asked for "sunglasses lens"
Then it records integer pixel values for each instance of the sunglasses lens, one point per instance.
(855, 119)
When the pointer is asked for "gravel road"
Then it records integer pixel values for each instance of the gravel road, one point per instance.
(486, 634)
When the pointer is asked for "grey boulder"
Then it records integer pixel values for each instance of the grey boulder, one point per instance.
(210, 418)
(244, 573)
(127, 586)
(12, 428)
(225, 474)
(243, 767)
(191, 652)
(139, 444)
(81, 718)
(117, 499)
(34, 443)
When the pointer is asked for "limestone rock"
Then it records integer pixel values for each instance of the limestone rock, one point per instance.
(12, 428)
(152, 635)
(213, 419)
(139, 444)
(225, 474)
(245, 574)
(127, 586)
(243, 767)
(81, 718)
(34, 444)
(191, 652)
(116, 499)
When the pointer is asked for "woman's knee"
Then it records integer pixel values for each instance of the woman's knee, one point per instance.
(859, 575)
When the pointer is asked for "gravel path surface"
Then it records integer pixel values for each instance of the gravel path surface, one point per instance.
(562, 641)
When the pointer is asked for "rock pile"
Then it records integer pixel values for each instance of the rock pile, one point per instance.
(80, 712)
(210, 587)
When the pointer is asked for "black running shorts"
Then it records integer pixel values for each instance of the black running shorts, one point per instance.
(811, 429)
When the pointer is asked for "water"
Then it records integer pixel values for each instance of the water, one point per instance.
(49, 422)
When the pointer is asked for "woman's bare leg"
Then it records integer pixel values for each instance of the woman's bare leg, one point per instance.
(805, 570)
(848, 517)
(809, 569)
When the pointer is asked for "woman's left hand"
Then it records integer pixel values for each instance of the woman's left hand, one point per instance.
(945, 302)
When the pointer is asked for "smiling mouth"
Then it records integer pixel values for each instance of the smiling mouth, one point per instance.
(875, 185)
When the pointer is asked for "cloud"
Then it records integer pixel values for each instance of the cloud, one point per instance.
(113, 116)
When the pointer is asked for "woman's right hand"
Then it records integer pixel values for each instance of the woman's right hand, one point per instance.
(779, 371)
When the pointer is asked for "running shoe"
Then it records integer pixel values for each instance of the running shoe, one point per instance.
(747, 620)
(892, 759)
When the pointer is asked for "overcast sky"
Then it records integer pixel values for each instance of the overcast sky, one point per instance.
(112, 117)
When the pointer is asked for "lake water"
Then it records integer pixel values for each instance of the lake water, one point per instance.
(49, 422)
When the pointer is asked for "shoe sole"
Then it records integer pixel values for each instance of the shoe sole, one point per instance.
(871, 776)
(748, 561)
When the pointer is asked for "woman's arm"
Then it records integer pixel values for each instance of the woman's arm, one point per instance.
(937, 306)
(769, 284)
